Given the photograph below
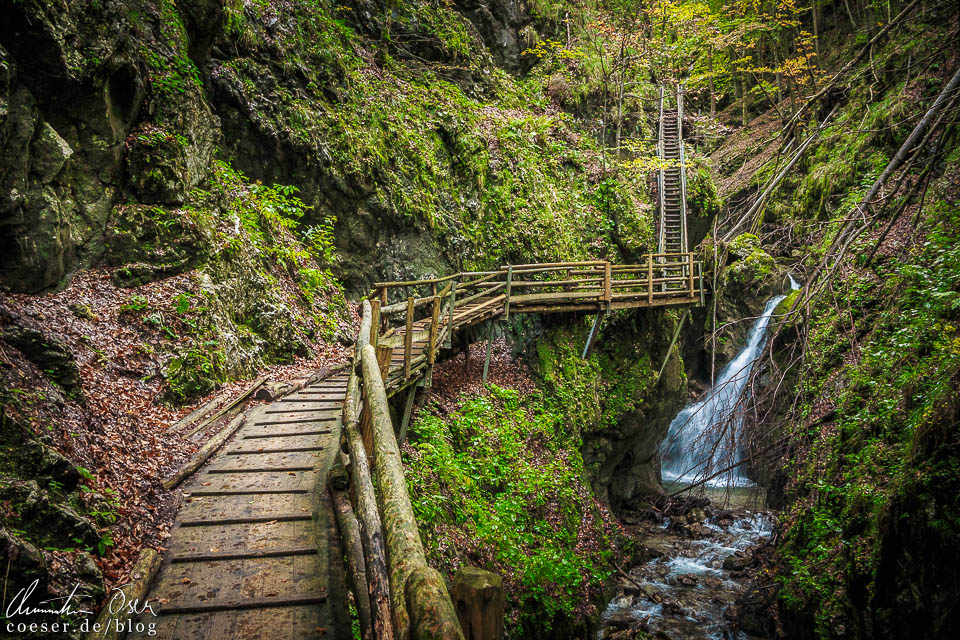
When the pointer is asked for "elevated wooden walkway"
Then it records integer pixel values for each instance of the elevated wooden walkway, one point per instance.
(254, 551)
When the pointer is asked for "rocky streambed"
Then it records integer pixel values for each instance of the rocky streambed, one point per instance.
(701, 561)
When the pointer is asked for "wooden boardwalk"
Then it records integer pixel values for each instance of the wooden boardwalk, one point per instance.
(251, 549)
(254, 551)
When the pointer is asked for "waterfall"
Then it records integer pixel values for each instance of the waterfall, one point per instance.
(702, 439)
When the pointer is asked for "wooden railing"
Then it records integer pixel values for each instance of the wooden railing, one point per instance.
(404, 324)
(403, 596)
(468, 298)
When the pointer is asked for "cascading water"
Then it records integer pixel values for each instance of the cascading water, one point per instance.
(702, 438)
(700, 557)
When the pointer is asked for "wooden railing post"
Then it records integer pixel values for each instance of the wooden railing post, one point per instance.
(375, 323)
(700, 271)
(408, 339)
(453, 303)
(383, 303)
(690, 270)
(434, 325)
(649, 278)
(506, 304)
(607, 284)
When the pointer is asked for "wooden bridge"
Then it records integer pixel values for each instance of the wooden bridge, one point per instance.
(255, 550)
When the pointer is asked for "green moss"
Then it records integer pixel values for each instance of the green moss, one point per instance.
(503, 475)
(885, 462)
(750, 262)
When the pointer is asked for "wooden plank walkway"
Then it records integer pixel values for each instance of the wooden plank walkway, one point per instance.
(254, 552)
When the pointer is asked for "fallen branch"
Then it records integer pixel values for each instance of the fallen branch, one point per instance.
(112, 622)
(775, 181)
(627, 576)
(204, 452)
(228, 407)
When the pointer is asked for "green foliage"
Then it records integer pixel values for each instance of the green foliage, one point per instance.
(889, 447)
(506, 472)
(592, 394)
(703, 198)
(197, 371)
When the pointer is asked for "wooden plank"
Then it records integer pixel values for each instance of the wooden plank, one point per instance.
(212, 624)
(220, 507)
(296, 417)
(304, 405)
(251, 536)
(275, 449)
(251, 581)
(319, 395)
(237, 482)
(284, 431)
(244, 603)
(287, 461)
(275, 552)
(245, 520)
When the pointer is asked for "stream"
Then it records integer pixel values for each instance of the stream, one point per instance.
(699, 558)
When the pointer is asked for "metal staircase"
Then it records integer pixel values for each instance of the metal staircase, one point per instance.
(672, 238)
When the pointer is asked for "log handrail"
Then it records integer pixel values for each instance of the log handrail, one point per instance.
(408, 599)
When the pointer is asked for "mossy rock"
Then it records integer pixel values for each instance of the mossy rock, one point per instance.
(50, 356)
(47, 523)
(152, 243)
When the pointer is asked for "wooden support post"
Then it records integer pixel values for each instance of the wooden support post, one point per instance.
(375, 322)
(506, 303)
(337, 483)
(383, 303)
(700, 270)
(649, 278)
(676, 334)
(434, 326)
(587, 348)
(453, 302)
(478, 597)
(408, 339)
(607, 284)
(486, 359)
(690, 269)
(407, 410)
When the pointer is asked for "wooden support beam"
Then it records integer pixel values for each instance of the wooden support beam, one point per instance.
(690, 270)
(587, 348)
(506, 304)
(486, 358)
(408, 339)
(407, 410)
(676, 334)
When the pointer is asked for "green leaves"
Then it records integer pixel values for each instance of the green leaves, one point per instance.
(503, 473)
